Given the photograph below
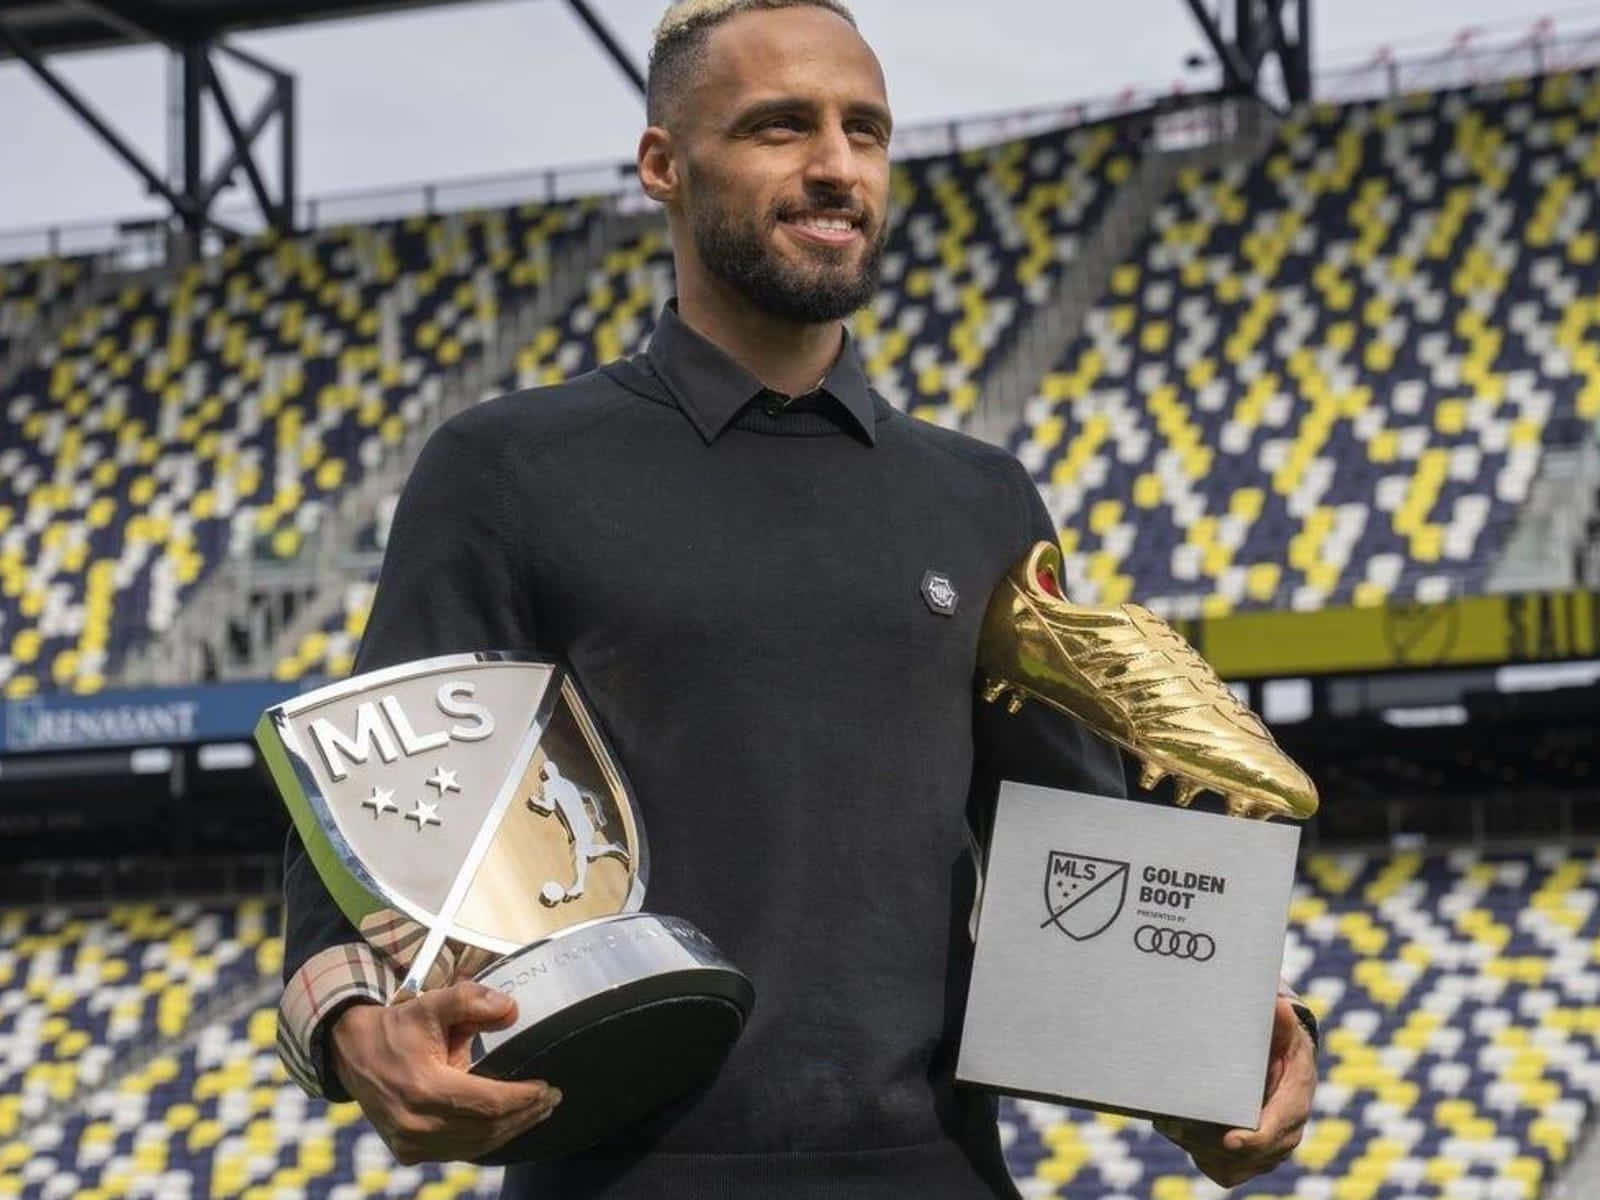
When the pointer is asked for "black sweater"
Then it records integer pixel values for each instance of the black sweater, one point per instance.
(740, 589)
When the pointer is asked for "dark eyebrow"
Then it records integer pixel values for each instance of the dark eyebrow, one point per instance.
(875, 113)
(779, 106)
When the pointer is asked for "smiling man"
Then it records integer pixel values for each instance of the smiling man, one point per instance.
(770, 585)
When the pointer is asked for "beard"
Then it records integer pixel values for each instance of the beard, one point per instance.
(738, 250)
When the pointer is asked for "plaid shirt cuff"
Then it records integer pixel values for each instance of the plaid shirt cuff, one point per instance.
(328, 983)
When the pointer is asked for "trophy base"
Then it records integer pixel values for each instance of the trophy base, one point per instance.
(623, 1014)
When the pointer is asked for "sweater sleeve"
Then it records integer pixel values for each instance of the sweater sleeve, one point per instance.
(449, 584)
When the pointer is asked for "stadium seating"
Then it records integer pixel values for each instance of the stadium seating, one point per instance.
(615, 316)
(77, 990)
(216, 1117)
(331, 649)
(982, 239)
(1458, 994)
(172, 425)
(1327, 376)
(31, 290)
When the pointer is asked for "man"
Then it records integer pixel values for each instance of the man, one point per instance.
(578, 812)
(770, 586)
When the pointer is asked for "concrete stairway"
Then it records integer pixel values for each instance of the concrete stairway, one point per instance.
(1241, 132)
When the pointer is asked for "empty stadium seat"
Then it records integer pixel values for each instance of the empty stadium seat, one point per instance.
(32, 290)
(76, 991)
(981, 240)
(217, 1117)
(331, 650)
(173, 425)
(1458, 995)
(1327, 376)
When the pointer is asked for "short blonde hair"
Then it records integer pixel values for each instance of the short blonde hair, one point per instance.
(680, 40)
(683, 15)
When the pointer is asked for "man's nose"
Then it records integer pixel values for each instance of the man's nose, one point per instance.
(833, 160)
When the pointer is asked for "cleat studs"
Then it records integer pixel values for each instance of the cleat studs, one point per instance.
(993, 690)
(1014, 703)
(1151, 776)
(1187, 791)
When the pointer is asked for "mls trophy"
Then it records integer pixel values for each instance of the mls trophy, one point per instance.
(472, 800)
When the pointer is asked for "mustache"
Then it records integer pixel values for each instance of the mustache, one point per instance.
(839, 206)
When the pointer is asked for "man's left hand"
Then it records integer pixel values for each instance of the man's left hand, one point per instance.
(1231, 1156)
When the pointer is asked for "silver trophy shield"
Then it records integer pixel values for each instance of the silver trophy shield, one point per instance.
(468, 816)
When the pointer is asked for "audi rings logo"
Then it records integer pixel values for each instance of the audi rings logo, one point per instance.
(1175, 943)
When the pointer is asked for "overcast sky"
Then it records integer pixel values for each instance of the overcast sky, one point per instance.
(512, 84)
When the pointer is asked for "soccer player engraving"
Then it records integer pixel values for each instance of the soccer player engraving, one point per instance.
(472, 800)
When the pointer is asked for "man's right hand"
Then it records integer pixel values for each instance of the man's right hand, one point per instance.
(406, 1065)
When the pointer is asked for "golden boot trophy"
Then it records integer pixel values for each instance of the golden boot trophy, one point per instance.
(1098, 920)
(1131, 678)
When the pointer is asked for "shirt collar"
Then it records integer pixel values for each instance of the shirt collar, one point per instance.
(712, 389)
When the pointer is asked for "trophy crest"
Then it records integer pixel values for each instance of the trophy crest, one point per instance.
(475, 797)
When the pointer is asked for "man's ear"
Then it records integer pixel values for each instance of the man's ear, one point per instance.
(658, 165)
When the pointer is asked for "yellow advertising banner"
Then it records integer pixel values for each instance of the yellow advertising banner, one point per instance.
(1470, 631)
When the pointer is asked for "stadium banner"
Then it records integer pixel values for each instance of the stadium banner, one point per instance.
(142, 716)
(1516, 627)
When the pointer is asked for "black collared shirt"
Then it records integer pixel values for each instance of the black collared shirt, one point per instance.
(715, 392)
(743, 598)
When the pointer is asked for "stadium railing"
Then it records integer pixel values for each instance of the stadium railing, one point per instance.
(1186, 119)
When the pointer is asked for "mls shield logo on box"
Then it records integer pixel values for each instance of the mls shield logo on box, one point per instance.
(1083, 894)
(477, 778)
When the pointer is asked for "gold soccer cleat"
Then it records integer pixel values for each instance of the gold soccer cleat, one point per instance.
(1130, 677)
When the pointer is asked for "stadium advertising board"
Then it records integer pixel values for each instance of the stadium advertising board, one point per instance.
(136, 717)
(1471, 631)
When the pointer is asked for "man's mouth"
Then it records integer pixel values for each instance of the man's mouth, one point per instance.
(828, 229)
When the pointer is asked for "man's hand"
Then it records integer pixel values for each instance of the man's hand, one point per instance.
(405, 1065)
(1231, 1156)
